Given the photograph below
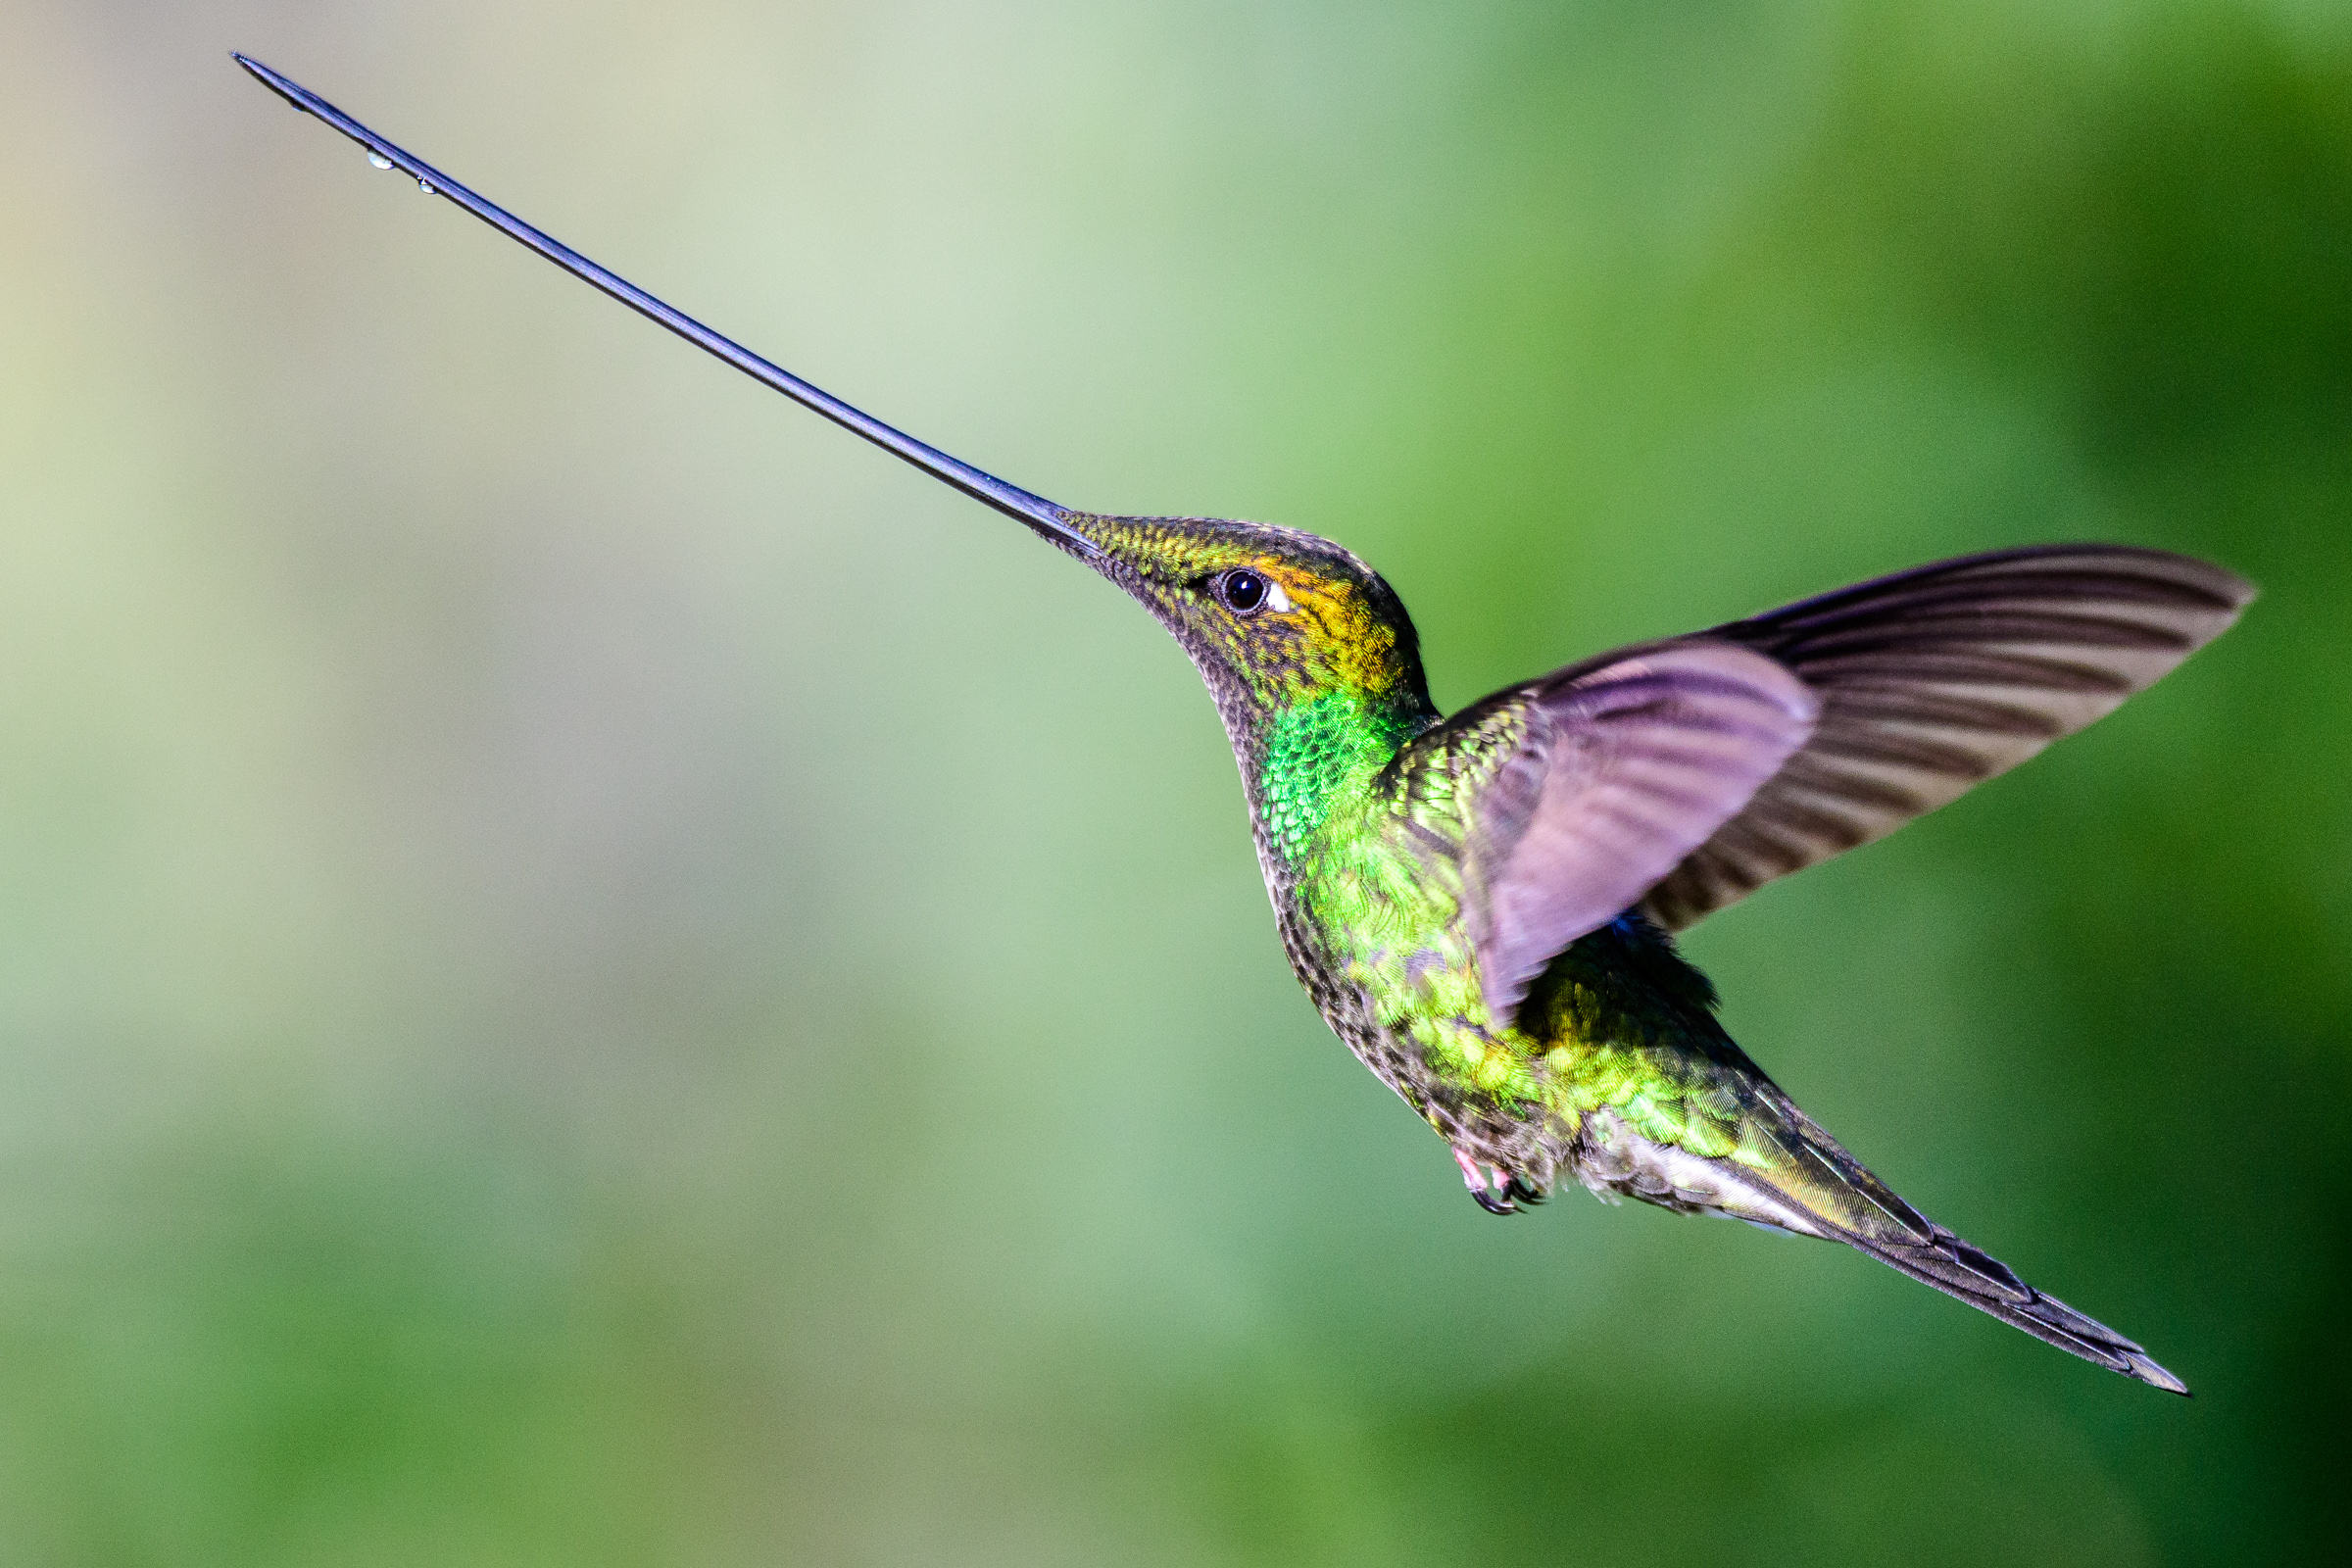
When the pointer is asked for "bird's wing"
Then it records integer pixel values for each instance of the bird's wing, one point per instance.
(1936, 679)
(1573, 794)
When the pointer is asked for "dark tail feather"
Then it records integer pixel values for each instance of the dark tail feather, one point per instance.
(1853, 1206)
(1988, 1285)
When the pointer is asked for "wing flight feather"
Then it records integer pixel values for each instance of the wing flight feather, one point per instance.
(1932, 680)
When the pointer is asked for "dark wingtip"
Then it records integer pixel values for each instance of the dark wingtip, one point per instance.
(2229, 593)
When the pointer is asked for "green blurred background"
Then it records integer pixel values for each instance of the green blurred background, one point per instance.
(593, 972)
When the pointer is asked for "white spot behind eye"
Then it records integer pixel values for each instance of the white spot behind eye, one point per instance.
(1276, 600)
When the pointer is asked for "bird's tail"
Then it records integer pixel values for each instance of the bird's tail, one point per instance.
(1844, 1202)
(1985, 1282)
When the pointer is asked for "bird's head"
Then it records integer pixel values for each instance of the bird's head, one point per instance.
(1272, 616)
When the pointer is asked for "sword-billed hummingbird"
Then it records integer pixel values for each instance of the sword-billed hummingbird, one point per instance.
(1481, 906)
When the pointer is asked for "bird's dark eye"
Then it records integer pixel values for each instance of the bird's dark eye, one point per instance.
(1243, 591)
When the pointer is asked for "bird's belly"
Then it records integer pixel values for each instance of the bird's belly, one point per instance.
(1414, 1016)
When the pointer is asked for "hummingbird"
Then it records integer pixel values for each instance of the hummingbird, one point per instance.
(1482, 905)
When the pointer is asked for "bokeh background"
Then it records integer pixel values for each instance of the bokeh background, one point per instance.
(593, 972)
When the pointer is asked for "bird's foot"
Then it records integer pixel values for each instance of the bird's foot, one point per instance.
(1518, 1192)
(1490, 1185)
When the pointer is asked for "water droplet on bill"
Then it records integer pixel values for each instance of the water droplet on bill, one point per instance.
(425, 185)
(379, 159)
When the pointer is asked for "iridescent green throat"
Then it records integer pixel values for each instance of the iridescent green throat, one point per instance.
(1320, 758)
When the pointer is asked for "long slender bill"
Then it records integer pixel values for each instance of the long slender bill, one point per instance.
(1048, 520)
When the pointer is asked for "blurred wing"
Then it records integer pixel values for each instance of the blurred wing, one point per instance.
(1936, 679)
(1582, 789)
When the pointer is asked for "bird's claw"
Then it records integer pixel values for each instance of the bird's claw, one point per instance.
(1493, 1192)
